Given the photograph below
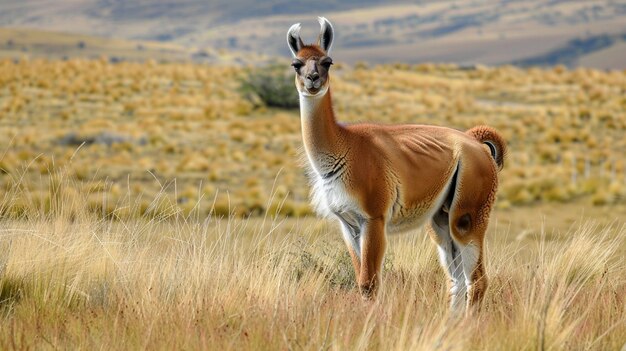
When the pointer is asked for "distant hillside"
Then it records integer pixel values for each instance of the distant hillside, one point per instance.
(37, 43)
(489, 32)
(32, 43)
(220, 11)
(573, 51)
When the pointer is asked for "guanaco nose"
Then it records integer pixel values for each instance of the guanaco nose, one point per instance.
(313, 76)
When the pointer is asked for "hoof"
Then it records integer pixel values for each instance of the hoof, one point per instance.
(368, 292)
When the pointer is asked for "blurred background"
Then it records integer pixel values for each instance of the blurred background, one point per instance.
(573, 33)
(158, 107)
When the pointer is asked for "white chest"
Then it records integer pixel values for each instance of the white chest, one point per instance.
(331, 196)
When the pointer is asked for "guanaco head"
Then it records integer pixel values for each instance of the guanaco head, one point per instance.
(311, 62)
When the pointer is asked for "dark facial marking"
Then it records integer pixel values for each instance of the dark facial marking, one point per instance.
(297, 64)
(326, 62)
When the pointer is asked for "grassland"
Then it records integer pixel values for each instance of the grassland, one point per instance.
(157, 205)
(138, 130)
(80, 281)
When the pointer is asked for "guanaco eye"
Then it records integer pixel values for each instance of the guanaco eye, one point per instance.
(297, 64)
(327, 62)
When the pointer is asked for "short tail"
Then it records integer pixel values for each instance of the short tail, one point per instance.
(493, 139)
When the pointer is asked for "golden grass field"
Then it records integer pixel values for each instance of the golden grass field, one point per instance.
(82, 281)
(187, 130)
(154, 205)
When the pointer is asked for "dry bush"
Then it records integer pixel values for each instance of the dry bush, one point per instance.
(271, 85)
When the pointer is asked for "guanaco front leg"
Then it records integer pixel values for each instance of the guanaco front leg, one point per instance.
(372, 252)
(356, 263)
(351, 236)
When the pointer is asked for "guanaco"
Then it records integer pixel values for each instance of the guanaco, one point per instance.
(377, 179)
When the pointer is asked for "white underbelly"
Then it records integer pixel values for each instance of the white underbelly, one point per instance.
(405, 223)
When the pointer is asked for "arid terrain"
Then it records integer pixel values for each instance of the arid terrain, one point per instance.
(79, 280)
(191, 134)
(163, 205)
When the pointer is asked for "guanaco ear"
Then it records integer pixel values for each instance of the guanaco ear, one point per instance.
(327, 33)
(293, 39)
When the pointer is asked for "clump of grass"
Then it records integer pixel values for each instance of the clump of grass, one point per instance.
(328, 258)
(272, 86)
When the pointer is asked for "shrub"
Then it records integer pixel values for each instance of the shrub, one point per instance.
(272, 86)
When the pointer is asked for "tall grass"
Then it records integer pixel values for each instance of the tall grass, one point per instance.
(73, 279)
(565, 128)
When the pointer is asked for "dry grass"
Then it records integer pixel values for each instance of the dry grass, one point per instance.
(72, 279)
(156, 122)
(140, 238)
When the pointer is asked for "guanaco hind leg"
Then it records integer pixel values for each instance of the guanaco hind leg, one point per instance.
(475, 279)
(471, 281)
(468, 220)
(450, 259)
(458, 229)
(463, 263)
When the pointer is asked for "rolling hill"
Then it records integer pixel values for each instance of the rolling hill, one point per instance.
(467, 32)
(21, 43)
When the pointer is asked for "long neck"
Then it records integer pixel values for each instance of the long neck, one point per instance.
(321, 134)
